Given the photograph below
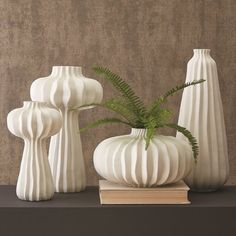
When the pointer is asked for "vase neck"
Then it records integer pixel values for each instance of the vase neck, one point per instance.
(138, 132)
(33, 104)
(201, 52)
(67, 71)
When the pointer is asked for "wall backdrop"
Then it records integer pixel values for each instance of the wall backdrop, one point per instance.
(148, 42)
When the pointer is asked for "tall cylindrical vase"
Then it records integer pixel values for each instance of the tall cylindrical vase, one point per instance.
(201, 112)
(67, 89)
(34, 123)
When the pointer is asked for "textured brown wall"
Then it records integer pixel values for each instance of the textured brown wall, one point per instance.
(148, 42)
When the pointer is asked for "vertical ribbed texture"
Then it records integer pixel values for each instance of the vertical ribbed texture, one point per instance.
(201, 112)
(65, 156)
(124, 160)
(34, 123)
(67, 89)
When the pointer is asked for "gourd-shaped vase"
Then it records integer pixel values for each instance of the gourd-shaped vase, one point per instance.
(201, 112)
(67, 89)
(34, 123)
(124, 159)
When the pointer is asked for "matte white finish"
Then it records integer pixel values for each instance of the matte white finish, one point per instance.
(34, 123)
(201, 112)
(124, 160)
(67, 89)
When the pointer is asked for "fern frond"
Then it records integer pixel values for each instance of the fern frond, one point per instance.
(192, 140)
(159, 101)
(126, 91)
(162, 116)
(150, 125)
(182, 86)
(103, 122)
(156, 106)
(119, 107)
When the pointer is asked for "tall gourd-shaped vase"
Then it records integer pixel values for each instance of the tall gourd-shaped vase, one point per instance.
(201, 112)
(67, 89)
(34, 123)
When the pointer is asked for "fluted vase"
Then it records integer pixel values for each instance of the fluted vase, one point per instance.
(67, 89)
(34, 123)
(201, 112)
(124, 160)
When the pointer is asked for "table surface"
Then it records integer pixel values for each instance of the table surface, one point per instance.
(210, 214)
(225, 197)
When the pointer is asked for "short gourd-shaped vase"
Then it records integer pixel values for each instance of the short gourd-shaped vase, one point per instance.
(34, 123)
(67, 89)
(124, 159)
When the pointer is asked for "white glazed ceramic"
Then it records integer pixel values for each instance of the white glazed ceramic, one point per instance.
(201, 112)
(124, 160)
(67, 89)
(34, 123)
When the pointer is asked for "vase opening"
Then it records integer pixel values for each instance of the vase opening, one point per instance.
(67, 70)
(201, 51)
(138, 132)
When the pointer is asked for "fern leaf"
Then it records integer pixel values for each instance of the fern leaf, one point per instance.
(159, 101)
(192, 140)
(123, 109)
(151, 129)
(103, 122)
(156, 105)
(118, 107)
(161, 116)
(126, 91)
(182, 86)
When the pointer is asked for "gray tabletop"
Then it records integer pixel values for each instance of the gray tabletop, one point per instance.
(81, 214)
(225, 197)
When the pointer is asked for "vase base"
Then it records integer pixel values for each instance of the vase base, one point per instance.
(35, 199)
(71, 191)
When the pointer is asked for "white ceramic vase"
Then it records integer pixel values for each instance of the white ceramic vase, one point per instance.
(124, 160)
(201, 112)
(34, 123)
(67, 89)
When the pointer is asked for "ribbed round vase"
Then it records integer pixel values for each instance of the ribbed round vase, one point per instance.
(34, 123)
(201, 112)
(67, 89)
(124, 160)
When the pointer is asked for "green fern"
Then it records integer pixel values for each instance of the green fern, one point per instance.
(159, 101)
(132, 99)
(150, 125)
(180, 87)
(135, 114)
(103, 122)
(119, 107)
(192, 140)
